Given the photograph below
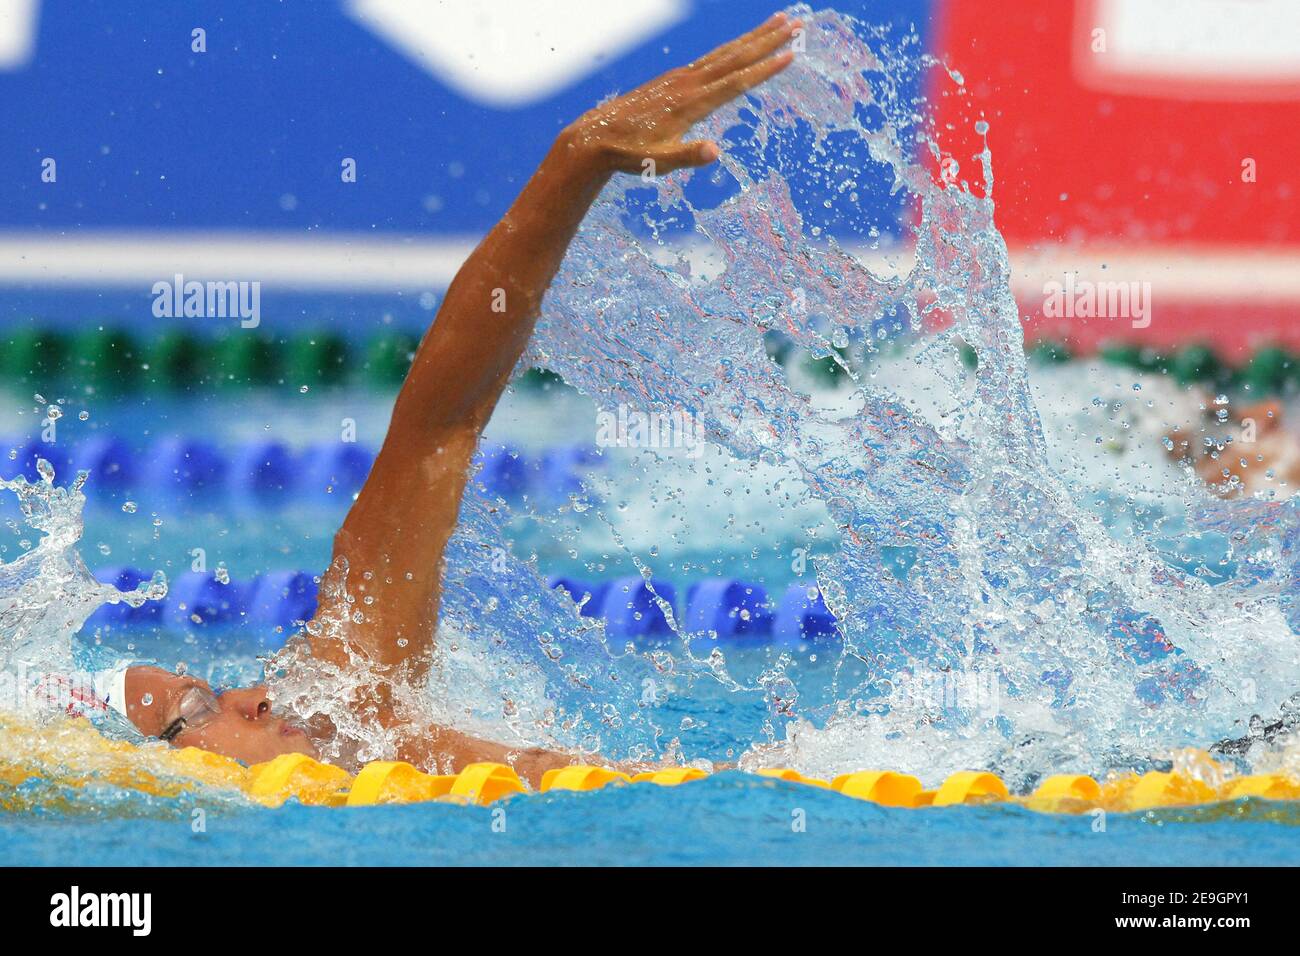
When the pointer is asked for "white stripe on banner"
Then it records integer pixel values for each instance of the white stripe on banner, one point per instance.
(1204, 274)
(367, 264)
(361, 264)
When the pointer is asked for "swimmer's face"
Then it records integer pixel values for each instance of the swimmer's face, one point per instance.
(236, 723)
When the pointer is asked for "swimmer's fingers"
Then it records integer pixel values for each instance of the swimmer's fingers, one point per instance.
(729, 87)
(744, 50)
(681, 155)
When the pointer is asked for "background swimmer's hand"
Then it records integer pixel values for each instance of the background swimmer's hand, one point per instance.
(645, 126)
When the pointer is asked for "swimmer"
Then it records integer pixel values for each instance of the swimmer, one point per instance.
(393, 537)
(1269, 461)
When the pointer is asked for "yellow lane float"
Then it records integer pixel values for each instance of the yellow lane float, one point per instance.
(970, 786)
(212, 769)
(1069, 786)
(670, 777)
(1065, 793)
(301, 777)
(793, 776)
(884, 787)
(484, 783)
(1156, 789)
(581, 778)
(1272, 786)
(392, 781)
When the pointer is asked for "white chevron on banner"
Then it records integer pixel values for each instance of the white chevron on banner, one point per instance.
(508, 53)
(17, 32)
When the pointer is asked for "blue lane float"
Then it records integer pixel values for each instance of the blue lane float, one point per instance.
(589, 598)
(198, 598)
(193, 473)
(631, 608)
(274, 604)
(728, 607)
(336, 469)
(26, 455)
(282, 599)
(182, 468)
(110, 460)
(264, 473)
(559, 473)
(503, 471)
(803, 615)
(125, 579)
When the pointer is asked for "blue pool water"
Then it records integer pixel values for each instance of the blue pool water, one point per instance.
(729, 819)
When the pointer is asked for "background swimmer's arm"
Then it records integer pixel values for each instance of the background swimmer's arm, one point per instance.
(394, 536)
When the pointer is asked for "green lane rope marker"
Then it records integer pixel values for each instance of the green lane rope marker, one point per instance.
(778, 347)
(1049, 352)
(1132, 356)
(177, 360)
(540, 380)
(239, 358)
(1196, 363)
(33, 356)
(1270, 371)
(115, 360)
(826, 370)
(106, 359)
(319, 359)
(388, 357)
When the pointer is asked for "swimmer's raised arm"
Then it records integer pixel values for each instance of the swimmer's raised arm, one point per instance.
(393, 538)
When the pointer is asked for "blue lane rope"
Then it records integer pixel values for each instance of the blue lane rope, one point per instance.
(273, 605)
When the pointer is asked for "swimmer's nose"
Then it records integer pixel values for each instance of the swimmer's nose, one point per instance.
(251, 702)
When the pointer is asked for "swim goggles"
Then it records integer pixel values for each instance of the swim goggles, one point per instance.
(198, 706)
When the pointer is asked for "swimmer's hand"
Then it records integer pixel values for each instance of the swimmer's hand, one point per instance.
(641, 131)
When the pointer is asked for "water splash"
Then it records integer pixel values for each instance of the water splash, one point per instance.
(47, 593)
(1089, 650)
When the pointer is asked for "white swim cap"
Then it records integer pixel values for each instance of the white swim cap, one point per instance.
(110, 686)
